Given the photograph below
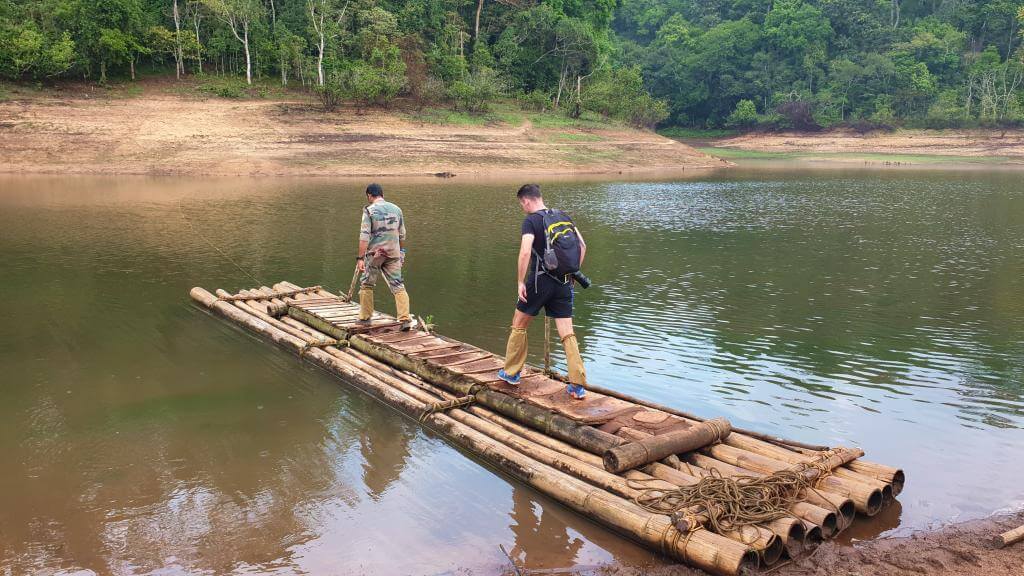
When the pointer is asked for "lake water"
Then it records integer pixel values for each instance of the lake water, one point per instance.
(877, 308)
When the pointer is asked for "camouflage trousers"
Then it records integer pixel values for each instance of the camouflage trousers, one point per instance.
(379, 264)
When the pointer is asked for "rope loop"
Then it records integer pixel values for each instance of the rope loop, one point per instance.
(445, 406)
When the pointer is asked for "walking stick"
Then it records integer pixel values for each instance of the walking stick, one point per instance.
(547, 345)
(352, 286)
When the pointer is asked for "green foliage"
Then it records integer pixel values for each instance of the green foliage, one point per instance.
(801, 63)
(476, 90)
(744, 116)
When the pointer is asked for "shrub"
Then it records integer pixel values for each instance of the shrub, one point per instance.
(538, 100)
(743, 116)
(476, 90)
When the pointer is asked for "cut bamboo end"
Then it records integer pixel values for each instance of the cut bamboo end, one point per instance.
(1010, 537)
(813, 537)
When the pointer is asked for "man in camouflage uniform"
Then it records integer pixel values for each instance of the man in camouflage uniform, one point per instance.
(381, 250)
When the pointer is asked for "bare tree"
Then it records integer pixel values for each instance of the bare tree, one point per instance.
(326, 19)
(194, 9)
(239, 15)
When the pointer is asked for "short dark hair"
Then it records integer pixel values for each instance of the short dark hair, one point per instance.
(529, 191)
(375, 190)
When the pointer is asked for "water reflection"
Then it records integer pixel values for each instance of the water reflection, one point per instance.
(139, 435)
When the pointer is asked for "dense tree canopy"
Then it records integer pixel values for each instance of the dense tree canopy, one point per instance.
(783, 63)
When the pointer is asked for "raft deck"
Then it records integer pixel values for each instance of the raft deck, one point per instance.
(538, 434)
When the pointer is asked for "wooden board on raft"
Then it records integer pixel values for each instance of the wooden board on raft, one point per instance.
(539, 435)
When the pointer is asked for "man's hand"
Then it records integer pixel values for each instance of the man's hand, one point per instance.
(361, 265)
(522, 291)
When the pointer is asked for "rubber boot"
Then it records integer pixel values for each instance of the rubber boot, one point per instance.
(515, 352)
(577, 375)
(365, 304)
(402, 308)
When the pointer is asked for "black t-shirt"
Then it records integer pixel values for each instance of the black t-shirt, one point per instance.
(534, 224)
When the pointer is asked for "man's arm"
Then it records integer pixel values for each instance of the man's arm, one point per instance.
(364, 240)
(525, 247)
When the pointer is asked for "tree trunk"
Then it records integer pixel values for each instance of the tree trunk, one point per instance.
(248, 58)
(476, 26)
(131, 64)
(199, 47)
(103, 71)
(179, 55)
(320, 62)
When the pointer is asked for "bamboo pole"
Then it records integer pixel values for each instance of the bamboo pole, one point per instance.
(866, 499)
(788, 456)
(655, 447)
(702, 549)
(1010, 537)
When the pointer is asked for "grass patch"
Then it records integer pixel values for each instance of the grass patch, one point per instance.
(873, 157)
(233, 87)
(589, 155)
(558, 119)
(575, 137)
(447, 117)
(696, 133)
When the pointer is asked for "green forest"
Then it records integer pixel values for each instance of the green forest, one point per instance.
(773, 64)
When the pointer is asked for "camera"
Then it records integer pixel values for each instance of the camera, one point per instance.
(581, 279)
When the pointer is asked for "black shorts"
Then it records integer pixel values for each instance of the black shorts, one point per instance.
(543, 291)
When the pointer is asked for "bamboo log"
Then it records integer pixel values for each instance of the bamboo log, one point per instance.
(791, 457)
(1010, 537)
(655, 447)
(702, 549)
(866, 499)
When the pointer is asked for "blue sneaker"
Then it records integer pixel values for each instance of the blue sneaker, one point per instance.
(576, 391)
(512, 379)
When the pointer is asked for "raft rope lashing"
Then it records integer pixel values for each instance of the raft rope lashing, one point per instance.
(731, 503)
(262, 296)
(446, 406)
(321, 344)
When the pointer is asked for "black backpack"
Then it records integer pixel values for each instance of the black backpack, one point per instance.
(562, 245)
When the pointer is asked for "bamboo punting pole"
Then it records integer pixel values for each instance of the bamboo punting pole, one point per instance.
(1010, 537)
(702, 549)
(788, 456)
(655, 447)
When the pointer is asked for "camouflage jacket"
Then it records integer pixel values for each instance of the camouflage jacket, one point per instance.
(383, 228)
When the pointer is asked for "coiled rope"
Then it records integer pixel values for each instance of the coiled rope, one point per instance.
(731, 503)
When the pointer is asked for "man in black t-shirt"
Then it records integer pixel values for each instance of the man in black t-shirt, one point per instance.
(538, 289)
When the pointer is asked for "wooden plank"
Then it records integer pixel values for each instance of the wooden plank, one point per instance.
(444, 345)
(466, 358)
(491, 364)
(389, 339)
(414, 344)
(440, 351)
(318, 323)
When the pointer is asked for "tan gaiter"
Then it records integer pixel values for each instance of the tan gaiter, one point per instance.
(402, 305)
(577, 375)
(515, 352)
(365, 303)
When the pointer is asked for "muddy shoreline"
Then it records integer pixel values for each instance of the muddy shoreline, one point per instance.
(961, 549)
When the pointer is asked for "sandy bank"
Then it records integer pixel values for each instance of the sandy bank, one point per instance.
(913, 146)
(163, 131)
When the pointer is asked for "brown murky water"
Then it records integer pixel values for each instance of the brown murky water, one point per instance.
(140, 435)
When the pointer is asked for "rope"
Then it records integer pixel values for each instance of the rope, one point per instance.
(203, 237)
(445, 406)
(731, 503)
(321, 344)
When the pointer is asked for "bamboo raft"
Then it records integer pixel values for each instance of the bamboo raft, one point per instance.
(601, 456)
